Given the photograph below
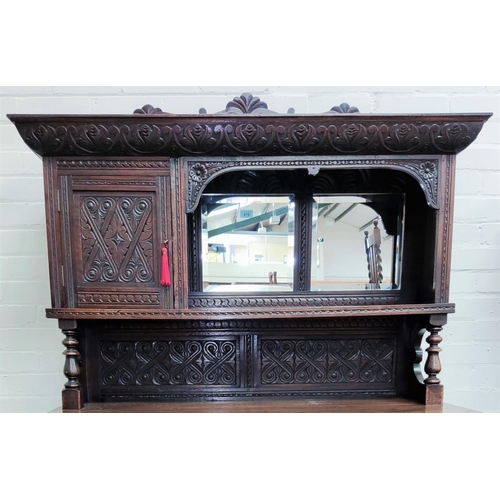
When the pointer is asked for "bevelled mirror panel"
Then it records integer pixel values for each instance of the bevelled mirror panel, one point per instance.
(247, 244)
(356, 242)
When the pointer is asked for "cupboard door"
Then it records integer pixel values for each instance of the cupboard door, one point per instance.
(116, 231)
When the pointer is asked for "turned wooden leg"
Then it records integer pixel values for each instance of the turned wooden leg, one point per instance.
(72, 394)
(434, 389)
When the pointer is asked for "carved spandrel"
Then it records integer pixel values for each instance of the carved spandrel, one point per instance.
(117, 239)
(201, 172)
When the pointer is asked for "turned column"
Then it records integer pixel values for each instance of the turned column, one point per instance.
(72, 393)
(434, 389)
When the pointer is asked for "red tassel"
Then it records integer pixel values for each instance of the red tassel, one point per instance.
(165, 269)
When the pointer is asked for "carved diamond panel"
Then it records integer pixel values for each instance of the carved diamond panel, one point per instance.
(117, 239)
(326, 361)
(175, 362)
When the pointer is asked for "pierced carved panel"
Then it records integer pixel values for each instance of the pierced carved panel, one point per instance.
(116, 239)
(169, 363)
(326, 361)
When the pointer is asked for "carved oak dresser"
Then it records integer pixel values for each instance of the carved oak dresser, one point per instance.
(249, 254)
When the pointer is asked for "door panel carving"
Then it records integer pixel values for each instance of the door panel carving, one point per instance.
(116, 231)
(116, 239)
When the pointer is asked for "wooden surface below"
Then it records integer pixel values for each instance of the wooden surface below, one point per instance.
(396, 405)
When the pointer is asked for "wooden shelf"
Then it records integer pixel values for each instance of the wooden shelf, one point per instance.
(396, 405)
(251, 313)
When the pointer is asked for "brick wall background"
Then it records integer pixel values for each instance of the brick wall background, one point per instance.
(30, 345)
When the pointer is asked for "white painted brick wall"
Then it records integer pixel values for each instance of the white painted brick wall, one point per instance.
(30, 345)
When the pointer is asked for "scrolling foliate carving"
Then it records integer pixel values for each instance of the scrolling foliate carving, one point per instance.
(250, 134)
(174, 362)
(326, 361)
(117, 239)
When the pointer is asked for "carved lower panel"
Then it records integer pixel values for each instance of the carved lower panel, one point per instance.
(177, 366)
(326, 361)
(169, 363)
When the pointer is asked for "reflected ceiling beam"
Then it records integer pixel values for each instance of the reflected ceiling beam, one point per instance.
(345, 212)
(369, 223)
(332, 208)
(322, 208)
(247, 222)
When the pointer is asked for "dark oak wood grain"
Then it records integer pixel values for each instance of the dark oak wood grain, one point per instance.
(117, 187)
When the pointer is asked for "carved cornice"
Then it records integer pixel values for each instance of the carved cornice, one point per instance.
(201, 172)
(252, 313)
(334, 133)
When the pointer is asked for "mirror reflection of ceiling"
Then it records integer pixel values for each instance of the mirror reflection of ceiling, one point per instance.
(351, 210)
(273, 214)
(247, 215)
